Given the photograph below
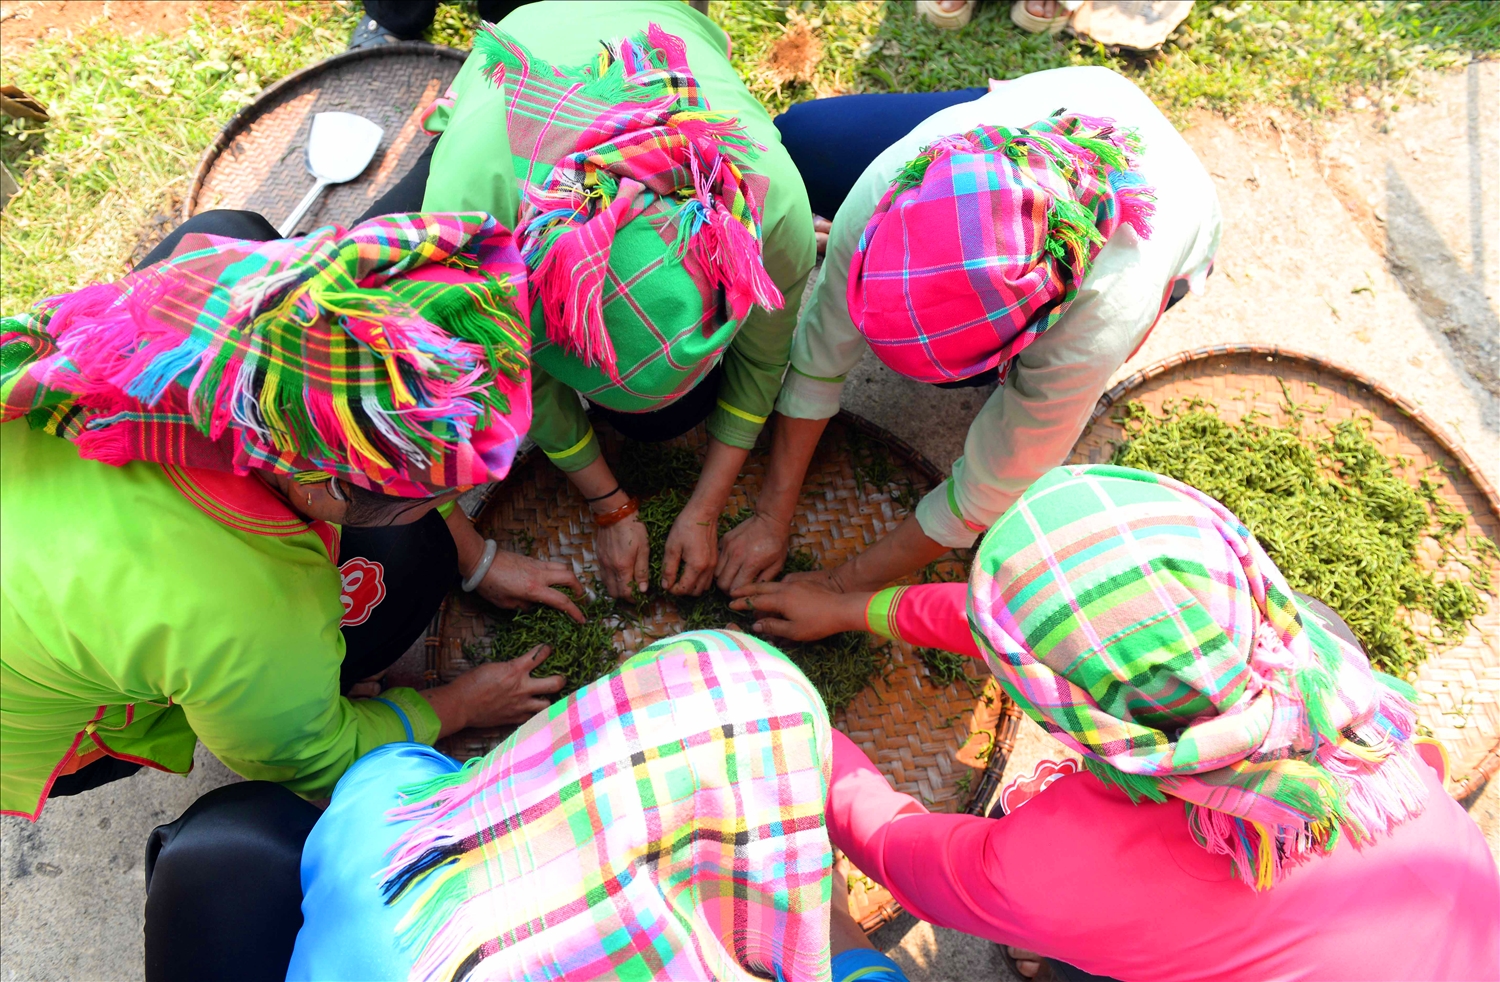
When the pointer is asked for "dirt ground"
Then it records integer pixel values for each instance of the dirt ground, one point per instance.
(1372, 242)
(23, 21)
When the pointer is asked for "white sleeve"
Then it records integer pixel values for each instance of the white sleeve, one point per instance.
(1029, 425)
(827, 345)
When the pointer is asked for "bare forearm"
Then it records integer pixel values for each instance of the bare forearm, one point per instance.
(904, 551)
(792, 444)
(721, 469)
(466, 539)
(597, 479)
(451, 708)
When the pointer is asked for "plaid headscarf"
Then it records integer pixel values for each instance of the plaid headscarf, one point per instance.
(641, 230)
(393, 355)
(982, 241)
(664, 822)
(1141, 624)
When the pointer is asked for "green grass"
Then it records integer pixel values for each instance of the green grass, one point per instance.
(1307, 56)
(130, 117)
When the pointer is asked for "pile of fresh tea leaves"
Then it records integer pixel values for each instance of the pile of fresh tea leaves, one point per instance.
(1334, 515)
(662, 477)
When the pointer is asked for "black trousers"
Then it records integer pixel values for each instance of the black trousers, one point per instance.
(408, 19)
(224, 886)
(418, 562)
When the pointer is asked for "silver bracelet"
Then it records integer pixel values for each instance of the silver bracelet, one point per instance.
(482, 568)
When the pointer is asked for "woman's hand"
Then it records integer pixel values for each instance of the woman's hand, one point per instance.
(515, 581)
(692, 551)
(821, 228)
(497, 694)
(804, 610)
(753, 551)
(624, 557)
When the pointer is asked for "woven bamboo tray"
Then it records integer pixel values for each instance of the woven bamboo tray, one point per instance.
(258, 162)
(930, 741)
(1460, 686)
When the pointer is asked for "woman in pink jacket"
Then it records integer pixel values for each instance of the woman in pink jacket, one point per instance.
(1251, 804)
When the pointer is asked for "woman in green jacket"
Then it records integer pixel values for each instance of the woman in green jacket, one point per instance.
(668, 236)
(218, 495)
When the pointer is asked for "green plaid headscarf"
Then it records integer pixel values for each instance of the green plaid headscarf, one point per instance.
(640, 228)
(1140, 623)
(393, 355)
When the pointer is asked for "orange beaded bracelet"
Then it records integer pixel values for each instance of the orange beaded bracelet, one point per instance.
(630, 507)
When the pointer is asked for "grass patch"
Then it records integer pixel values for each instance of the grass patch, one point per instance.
(132, 114)
(1310, 56)
(130, 117)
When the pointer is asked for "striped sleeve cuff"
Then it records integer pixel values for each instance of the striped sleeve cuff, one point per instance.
(808, 397)
(880, 613)
(941, 520)
(578, 456)
(415, 713)
(734, 426)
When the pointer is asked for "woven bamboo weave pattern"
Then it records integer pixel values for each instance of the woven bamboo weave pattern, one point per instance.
(258, 162)
(930, 741)
(1460, 685)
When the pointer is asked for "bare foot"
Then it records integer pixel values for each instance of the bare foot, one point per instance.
(1042, 8)
(367, 688)
(1028, 963)
(952, 6)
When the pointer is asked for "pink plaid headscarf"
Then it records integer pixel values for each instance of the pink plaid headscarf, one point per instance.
(981, 243)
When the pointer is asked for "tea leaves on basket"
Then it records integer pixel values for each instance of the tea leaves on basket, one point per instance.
(580, 652)
(648, 469)
(1334, 516)
(839, 666)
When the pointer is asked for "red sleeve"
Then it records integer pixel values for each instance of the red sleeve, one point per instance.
(939, 867)
(932, 615)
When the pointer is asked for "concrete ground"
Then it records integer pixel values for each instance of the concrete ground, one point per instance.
(1371, 243)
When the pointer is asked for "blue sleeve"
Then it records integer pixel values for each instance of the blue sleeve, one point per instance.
(348, 932)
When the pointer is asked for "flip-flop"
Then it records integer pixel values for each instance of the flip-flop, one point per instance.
(948, 20)
(368, 33)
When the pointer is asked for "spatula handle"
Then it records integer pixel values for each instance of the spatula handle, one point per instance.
(290, 225)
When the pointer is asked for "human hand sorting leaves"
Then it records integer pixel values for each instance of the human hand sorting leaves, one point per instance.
(804, 610)
(754, 550)
(514, 581)
(692, 551)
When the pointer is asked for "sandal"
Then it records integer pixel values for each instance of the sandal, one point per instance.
(948, 20)
(1032, 24)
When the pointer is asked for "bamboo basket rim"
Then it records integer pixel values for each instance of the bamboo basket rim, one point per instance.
(1490, 764)
(273, 92)
(1431, 427)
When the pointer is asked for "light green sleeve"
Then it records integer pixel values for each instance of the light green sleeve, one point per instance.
(472, 169)
(293, 727)
(757, 358)
(559, 424)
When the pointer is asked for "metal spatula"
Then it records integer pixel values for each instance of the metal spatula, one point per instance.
(339, 148)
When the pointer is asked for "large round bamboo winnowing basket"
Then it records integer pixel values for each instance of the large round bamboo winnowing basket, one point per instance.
(931, 741)
(258, 163)
(1459, 685)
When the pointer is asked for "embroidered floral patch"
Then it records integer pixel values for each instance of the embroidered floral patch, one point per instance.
(363, 589)
(1023, 789)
